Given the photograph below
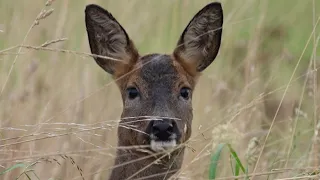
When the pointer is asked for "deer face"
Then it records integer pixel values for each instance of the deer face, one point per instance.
(156, 88)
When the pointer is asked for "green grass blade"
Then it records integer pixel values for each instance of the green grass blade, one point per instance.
(214, 161)
(235, 156)
(236, 169)
(19, 165)
(216, 156)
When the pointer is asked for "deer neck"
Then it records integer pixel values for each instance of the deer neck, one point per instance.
(141, 164)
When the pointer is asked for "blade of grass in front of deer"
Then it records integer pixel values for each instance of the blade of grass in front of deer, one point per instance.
(214, 161)
(236, 168)
(231, 164)
(235, 156)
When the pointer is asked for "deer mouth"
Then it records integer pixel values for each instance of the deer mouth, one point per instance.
(158, 145)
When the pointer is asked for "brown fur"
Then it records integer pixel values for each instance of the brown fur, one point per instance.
(159, 80)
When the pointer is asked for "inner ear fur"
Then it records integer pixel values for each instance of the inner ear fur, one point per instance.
(109, 39)
(200, 41)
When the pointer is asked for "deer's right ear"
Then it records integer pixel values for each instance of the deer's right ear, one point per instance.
(108, 38)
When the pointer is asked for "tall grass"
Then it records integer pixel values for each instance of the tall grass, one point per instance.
(59, 111)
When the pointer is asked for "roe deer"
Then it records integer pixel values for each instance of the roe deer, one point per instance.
(156, 89)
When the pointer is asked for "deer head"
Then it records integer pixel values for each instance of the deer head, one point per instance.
(156, 89)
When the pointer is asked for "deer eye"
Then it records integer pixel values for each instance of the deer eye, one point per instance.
(185, 93)
(132, 92)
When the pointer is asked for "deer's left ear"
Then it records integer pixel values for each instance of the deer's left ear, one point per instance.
(200, 42)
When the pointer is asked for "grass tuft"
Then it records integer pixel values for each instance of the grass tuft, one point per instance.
(233, 157)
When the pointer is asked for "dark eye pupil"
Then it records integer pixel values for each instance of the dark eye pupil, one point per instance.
(184, 92)
(132, 93)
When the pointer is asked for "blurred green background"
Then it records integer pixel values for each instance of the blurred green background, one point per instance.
(55, 102)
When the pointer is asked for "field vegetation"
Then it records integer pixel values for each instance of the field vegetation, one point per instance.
(59, 110)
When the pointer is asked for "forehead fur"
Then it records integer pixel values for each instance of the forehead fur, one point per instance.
(158, 70)
(156, 67)
(163, 69)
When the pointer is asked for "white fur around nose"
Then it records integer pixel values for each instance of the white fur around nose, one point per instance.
(162, 145)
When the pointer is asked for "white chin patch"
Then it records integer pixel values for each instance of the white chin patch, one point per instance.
(162, 145)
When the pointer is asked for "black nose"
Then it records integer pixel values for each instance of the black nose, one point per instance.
(162, 130)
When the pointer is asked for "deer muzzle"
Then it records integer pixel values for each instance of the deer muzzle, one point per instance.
(163, 133)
